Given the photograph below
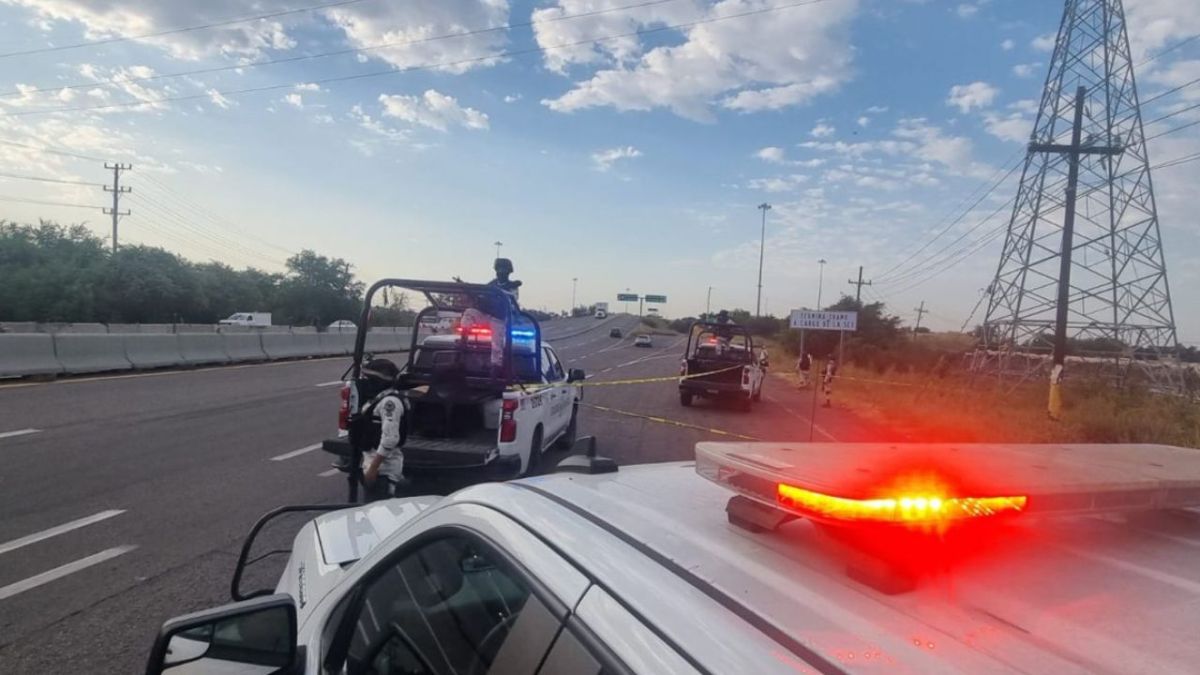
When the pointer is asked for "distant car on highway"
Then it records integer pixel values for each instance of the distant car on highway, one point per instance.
(615, 333)
(342, 324)
(247, 319)
(643, 340)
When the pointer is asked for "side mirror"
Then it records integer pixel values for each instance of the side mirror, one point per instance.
(576, 375)
(256, 636)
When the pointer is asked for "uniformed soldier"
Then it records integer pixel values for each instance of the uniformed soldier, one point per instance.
(383, 465)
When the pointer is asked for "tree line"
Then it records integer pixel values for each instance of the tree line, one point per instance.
(56, 273)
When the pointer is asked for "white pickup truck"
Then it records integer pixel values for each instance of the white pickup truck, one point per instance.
(482, 406)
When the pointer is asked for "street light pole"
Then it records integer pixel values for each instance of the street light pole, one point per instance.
(574, 285)
(708, 304)
(762, 245)
(820, 282)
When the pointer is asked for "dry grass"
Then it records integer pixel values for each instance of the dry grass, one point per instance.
(964, 409)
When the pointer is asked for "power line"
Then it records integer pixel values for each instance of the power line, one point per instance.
(175, 31)
(22, 200)
(339, 52)
(1168, 132)
(1170, 91)
(52, 151)
(44, 179)
(885, 279)
(428, 66)
(1172, 114)
(1170, 49)
(226, 247)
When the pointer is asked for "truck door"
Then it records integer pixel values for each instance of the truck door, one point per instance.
(561, 399)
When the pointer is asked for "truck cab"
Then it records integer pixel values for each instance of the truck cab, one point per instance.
(721, 363)
(486, 397)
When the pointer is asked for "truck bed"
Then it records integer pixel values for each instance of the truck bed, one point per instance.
(473, 449)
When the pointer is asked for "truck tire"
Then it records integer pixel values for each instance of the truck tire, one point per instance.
(535, 452)
(685, 399)
(567, 440)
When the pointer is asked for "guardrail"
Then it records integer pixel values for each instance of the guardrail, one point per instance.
(50, 354)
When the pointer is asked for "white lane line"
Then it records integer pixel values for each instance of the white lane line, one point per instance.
(331, 472)
(62, 571)
(58, 529)
(329, 384)
(18, 432)
(815, 426)
(295, 453)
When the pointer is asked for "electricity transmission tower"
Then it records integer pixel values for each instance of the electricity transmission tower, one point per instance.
(1083, 260)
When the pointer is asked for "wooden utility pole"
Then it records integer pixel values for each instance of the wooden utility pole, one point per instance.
(860, 283)
(116, 191)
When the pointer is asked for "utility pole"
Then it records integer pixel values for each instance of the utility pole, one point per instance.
(764, 207)
(1073, 151)
(498, 244)
(820, 282)
(574, 285)
(860, 283)
(117, 191)
(708, 304)
(921, 311)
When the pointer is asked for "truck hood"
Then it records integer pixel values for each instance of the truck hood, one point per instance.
(326, 547)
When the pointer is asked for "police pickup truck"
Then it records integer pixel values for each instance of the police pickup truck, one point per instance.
(721, 363)
(484, 399)
(754, 558)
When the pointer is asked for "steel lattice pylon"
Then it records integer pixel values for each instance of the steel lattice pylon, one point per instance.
(1119, 300)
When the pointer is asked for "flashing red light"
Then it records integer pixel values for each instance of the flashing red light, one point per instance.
(912, 509)
(344, 408)
(476, 332)
(508, 425)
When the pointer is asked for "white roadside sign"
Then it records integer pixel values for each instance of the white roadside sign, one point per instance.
(810, 320)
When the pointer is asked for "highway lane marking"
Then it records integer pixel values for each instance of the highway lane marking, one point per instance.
(58, 529)
(329, 384)
(19, 432)
(296, 453)
(671, 422)
(331, 472)
(62, 571)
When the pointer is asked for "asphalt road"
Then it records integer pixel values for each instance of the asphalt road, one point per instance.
(124, 499)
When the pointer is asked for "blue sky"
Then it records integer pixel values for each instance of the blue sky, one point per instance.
(629, 163)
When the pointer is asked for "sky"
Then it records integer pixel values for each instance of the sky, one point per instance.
(623, 143)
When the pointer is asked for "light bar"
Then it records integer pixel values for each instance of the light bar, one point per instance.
(906, 508)
(522, 333)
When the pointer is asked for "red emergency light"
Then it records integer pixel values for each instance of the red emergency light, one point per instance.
(911, 509)
(481, 332)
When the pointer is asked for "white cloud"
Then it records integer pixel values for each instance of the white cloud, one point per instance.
(966, 97)
(307, 86)
(107, 19)
(822, 130)
(1025, 69)
(294, 99)
(126, 80)
(1008, 45)
(778, 183)
(863, 121)
(771, 154)
(219, 100)
(369, 24)
(1044, 43)
(877, 109)
(1025, 105)
(512, 98)
(965, 11)
(1015, 127)
(434, 110)
(756, 62)
(931, 144)
(605, 159)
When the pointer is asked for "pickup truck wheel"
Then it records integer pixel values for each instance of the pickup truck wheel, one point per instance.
(535, 452)
(567, 440)
(685, 399)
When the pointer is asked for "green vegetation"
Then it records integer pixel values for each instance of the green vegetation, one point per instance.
(51, 273)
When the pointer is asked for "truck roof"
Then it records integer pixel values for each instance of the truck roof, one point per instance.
(1088, 593)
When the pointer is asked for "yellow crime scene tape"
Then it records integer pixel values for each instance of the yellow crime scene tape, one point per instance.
(671, 422)
(610, 383)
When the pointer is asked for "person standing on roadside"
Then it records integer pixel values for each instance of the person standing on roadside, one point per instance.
(383, 464)
(803, 368)
(827, 380)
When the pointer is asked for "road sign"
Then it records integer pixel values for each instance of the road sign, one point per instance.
(627, 297)
(810, 320)
(656, 298)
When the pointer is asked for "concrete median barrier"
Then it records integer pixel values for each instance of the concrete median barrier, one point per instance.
(23, 354)
(243, 347)
(200, 349)
(152, 350)
(336, 344)
(280, 346)
(96, 353)
(308, 344)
